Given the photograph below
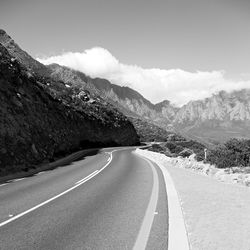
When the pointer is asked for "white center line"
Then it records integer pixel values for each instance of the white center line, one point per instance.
(55, 197)
(142, 238)
(87, 177)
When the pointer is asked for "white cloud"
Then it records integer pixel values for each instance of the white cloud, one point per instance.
(176, 85)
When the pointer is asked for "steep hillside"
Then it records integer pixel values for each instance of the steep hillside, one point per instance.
(40, 120)
(129, 101)
(209, 121)
(143, 114)
(149, 132)
(213, 120)
(23, 57)
(166, 109)
(75, 78)
(62, 82)
(152, 122)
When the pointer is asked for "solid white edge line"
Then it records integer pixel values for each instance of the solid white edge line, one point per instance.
(19, 179)
(55, 197)
(40, 172)
(144, 233)
(177, 234)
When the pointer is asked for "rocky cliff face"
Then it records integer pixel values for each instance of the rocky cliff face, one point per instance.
(223, 106)
(218, 118)
(42, 119)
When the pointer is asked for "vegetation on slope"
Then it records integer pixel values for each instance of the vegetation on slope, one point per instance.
(146, 130)
(233, 153)
(41, 119)
(175, 148)
(149, 132)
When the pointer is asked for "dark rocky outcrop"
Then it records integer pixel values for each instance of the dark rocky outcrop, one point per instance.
(43, 119)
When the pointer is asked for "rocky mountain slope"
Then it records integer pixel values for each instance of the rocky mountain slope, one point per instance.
(41, 119)
(146, 117)
(125, 99)
(23, 57)
(58, 77)
(218, 118)
(215, 119)
(149, 132)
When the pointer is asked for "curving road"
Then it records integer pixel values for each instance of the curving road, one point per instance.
(112, 200)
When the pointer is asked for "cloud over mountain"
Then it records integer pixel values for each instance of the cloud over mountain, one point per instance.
(176, 85)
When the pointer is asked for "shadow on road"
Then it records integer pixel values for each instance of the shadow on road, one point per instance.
(62, 162)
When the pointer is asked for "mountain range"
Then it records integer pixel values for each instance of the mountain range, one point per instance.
(42, 119)
(212, 120)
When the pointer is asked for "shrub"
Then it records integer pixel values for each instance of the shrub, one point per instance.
(200, 156)
(186, 152)
(221, 157)
(193, 145)
(170, 145)
(233, 153)
(240, 149)
(156, 148)
(173, 147)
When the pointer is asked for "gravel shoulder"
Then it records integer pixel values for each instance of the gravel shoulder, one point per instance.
(216, 213)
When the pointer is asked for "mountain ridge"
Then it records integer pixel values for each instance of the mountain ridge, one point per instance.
(220, 116)
(202, 115)
(42, 119)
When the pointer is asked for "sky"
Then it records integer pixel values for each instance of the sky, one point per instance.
(179, 50)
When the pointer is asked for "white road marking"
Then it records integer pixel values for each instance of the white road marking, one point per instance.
(87, 177)
(177, 234)
(3, 184)
(177, 230)
(40, 172)
(142, 238)
(55, 197)
(15, 180)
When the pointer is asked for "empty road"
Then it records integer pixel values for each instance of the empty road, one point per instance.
(111, 200)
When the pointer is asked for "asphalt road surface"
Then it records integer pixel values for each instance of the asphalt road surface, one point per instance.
(110, 200)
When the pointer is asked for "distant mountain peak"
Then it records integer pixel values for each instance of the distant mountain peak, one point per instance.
(163, 103)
